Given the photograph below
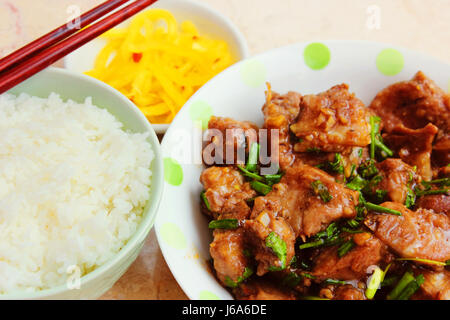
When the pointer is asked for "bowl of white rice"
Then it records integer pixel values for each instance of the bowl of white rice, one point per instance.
(80, 184)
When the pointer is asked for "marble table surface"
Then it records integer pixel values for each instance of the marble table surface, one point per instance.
(420, 25)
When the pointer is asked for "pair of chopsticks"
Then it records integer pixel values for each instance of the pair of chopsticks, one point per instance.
(41, 53)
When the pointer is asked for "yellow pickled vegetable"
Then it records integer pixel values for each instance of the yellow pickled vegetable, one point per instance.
(158, 64)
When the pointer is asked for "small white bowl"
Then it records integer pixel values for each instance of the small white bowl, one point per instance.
(207, 20)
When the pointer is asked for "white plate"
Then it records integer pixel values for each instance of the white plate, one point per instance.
(207, 20)
(238, 92)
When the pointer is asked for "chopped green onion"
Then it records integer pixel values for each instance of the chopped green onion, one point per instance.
(345, 248)
(234, 284)
(313, 244)
(389, 281)
(253, 155)
(309, 276)
(337, 164)
(360, 152)
(401, 285)
(434, 262)
(375, 138)
(374, 129)
(205, 200)
(278, 246)
(368, 169)
(421, 193)
(374, 283)
(224, 224)
(321, 190)
(445, 182)
(260, 187)
(383, 147)
(250, 175)
(353, 223)
(410, 198)
(333, 281)
(357, 183)
(273, 178)
(411, 288)
(377, 208)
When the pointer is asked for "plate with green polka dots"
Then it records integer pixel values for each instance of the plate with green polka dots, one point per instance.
(238, 92)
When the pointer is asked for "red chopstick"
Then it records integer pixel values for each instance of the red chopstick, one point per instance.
(57, 35)
(45, 58)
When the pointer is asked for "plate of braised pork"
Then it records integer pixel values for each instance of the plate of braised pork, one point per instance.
(296, 177)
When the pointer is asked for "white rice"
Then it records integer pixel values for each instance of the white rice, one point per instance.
(73, 185)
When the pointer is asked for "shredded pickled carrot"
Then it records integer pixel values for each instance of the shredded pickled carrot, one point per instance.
(159, 64)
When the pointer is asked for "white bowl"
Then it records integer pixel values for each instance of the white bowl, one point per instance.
(207, 20)
(77, 87)
(238, 92)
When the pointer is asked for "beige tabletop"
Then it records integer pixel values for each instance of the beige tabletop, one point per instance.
(420, 25)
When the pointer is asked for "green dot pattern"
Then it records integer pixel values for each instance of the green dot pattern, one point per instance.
(253, 73)
(173, 236)
(200, 112)
(390, 62)
(317, 56)
(208, 295)
(173, 173)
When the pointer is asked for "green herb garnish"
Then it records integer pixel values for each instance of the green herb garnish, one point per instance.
(250, 174)
(333, 281)
(345, 248)
(320, 189)
(357, 183)
(224, 224)
(401, 285)
(411, 288)
(272, 179)
(205, 200)
(410, 198)
(278, 246)
(376, 140)
(253, 155)
(260, 187)
(234, 284)
(377, 208)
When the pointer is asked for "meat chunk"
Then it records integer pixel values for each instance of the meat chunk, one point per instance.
(296, 200)
(348, 292)
(332, 121)
(271, 240)
(415, 234)
(436, 285)
(441, 152)
(279, 112)
(353, 265)
(227, 251)
(414, 104)
(262, 289)
(226, 192)
(397, 179)
(413, 146)
(229, 141)
(439, 203)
